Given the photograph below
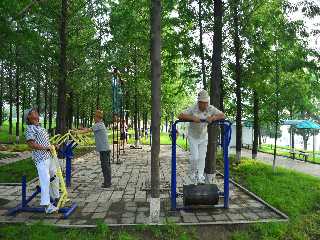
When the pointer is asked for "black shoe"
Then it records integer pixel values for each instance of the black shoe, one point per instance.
(106, 185)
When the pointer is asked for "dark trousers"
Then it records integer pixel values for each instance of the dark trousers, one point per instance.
(106, 167)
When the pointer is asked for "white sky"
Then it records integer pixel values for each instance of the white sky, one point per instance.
(310, 23)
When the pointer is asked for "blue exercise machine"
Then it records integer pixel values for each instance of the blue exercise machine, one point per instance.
(66, 151)
(23, 206)
(226, 141)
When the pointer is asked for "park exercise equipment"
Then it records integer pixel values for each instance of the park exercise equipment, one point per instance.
(207, 194)
(118, 117)
(23, 206)
(67, 143)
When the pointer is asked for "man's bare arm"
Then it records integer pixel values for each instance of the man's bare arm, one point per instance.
(32, 144)
(216, 117)
(187, 117)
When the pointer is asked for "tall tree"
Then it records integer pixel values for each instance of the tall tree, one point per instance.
(155, 56)
(215, 88)
(62, 83)
(237, 50)
(203, 67)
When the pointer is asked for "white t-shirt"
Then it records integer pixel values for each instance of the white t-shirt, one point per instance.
(199, 130)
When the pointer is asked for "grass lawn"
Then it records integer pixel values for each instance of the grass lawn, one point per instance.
(13, 172)
(40, 231)
(293, 193)
(4, 133)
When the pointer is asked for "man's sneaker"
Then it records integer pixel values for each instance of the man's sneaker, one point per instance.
(51, 208)
(201, 180)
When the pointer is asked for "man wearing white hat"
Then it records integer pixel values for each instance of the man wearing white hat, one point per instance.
(200, 114)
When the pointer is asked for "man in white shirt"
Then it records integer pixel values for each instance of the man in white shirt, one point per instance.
(200, 114)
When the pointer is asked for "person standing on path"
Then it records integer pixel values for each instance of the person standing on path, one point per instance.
(200, 114)
(102, 146)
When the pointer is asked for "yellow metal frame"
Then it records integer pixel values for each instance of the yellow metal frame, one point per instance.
(64, 194)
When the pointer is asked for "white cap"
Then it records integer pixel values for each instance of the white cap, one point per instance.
(203, 96)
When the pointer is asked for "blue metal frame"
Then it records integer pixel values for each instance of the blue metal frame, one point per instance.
(227, 137)
(67, 152)
(23, 206)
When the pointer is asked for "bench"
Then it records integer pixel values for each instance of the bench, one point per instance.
(305, 155)
(247, 145)
(302, 154)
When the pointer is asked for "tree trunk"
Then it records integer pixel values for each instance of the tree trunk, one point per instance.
(255, 124)
(166, 123)
(45, 103)
(136, 133)
(17, 101)
(215, 87)
(277, 114)
(23, 107)
(61, 106)
(203, 68)
(91, 114)
(50, 114)
(155, 56)
(10, 103)
(1, 94)
(70, 110)
(291, 130)
(259, 132)
(222, 93)
(146, 121)
(77, 115)
(305, 141)
(139, 123)
(38, 92)
(237, 51)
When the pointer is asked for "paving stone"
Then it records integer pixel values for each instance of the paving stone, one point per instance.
(130, 204)
(63, 222)
(3, 212)
(141, 218)
(189, 218)
(127, 220)
(202, 214)
(250, 215)
(220, 217)
(235, 216)
(80, 222)
(131, 209)
(205, 218)
(102, 209)
(173, 219)
(128, 215)
(142, 209)
(264, 214)
(88, 210)
(99, 215)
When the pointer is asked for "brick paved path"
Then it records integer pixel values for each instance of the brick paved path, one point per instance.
(126, 202)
